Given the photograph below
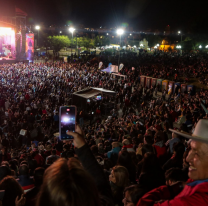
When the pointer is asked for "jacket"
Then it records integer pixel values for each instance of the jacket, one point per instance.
(194, 193)
(26, 182)
(92, 167)
(114, 150)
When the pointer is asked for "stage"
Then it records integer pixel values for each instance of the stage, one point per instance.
(11, 61)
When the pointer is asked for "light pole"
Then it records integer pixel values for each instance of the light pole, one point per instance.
(37, 28)
(71, 29)
(179, 33)
(60, 33)
(119, 32)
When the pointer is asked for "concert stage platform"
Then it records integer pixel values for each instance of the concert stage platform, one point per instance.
(11, 61)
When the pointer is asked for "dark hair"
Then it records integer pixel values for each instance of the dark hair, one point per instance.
(175, 174)
(38, 176)
(107, 164)
(53, 152)
(24, 170)
(151, 163)
(4, 171)
(147, 148)
(149, 139)
(135, 192)
(12, 190)
(94, 149)
(65, 182)
(179, 149)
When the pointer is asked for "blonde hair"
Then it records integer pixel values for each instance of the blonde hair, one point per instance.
(122, 176)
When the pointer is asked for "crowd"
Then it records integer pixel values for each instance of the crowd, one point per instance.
(131, 157)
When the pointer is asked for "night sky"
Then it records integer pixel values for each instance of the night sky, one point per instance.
(140, 14)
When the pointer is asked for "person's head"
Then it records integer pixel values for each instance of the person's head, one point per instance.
(174, 175)
(64, 182)
(174, 135)
(198, 160)
(159, 136)
(148, 140)
(132, 194)
(126, 142)
(179, 149)
(12, 189)
(38, 176)
(24, 170)
(147, 148)
(4, 171)
(115, 144)
(53, 152)
(119, 176)
(124, 158)
(94, 149)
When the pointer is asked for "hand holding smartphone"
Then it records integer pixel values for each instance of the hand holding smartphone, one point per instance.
(67, 121)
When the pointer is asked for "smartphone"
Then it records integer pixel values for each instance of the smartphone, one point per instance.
(67, 121)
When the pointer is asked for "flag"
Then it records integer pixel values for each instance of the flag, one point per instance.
(19, 12)
(100, 65)
(121, 67)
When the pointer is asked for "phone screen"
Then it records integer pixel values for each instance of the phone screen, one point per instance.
(67, 116)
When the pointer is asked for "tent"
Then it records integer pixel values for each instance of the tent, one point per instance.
(80, 98)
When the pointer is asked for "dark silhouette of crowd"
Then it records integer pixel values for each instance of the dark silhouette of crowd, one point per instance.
(125, 156)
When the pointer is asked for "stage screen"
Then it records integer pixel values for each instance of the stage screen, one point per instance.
(7, 42)
(29, 46)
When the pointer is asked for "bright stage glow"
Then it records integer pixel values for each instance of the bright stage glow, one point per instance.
(5, 31)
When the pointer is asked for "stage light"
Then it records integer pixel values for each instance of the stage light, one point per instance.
(5, 31)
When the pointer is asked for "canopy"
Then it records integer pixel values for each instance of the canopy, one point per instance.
(80, 97)
(92, 91)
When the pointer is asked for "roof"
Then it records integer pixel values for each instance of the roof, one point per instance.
(91, 92)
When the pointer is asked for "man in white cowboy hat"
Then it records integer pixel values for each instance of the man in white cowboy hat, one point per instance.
(196, 191)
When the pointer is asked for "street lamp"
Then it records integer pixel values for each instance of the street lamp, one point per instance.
(206, 47)
(37, 28)
(107, 33)
(71, 29)
(119, 32)
(200, 46)
(130, 34)
(179, 33)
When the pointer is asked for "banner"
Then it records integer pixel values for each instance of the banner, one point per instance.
(100, 65)
(65, 59)
(121, 67)
(29, 46)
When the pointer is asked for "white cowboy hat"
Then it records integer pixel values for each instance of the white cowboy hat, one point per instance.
(200, 133)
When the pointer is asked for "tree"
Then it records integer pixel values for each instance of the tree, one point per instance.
(153, 40)
(87, 42)
(59, 42)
